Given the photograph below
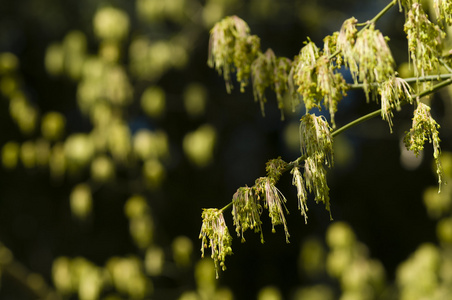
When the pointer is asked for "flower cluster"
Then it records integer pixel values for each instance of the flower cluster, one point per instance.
(424, 40)
(443, 9)
(316, 145)
(246, 212)
(345, 44)
(232, 48)
(393, 91)
(315, 76)
(316, 141)
(304, 74)
(262, 70)
(366, 54)
(373, 57)
(302, 196)
(275, 168)
(424, 128)
(273, 201)
(215, 230)
(315, 176)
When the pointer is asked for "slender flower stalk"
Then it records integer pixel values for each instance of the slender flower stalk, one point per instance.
(214, 234)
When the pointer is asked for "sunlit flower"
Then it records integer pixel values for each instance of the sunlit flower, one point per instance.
(316, 79)
(301, 192)
(281, 80)
(345, 43)
(275, 168)
(315, 176)
(273, 201)
(231, 47)
(424, 128)
(316, 141)
(214, 230)
(304, 74)
(374, 59)
(262, 72)
(424, 40)
(246, 212)
(331, 86)
(443, 9)
(393, 91)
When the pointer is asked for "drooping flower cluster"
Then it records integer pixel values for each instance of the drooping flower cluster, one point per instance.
(273, 201)
(315, 139)
(393, 91)
(246, 212)
(232, 48)
(215, 234)
(275, 168)
(315, 177)
(424, 128)
(315, 76)
(262, 75)
(316, 145)
(424, 40)
(302, 195)
(366, 54)
(345, 44)
(443, 9)
(373, 57)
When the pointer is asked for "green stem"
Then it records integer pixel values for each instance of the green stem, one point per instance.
(378, 16)
(378, 111)
(367, 24)
(357, 121)
(226, 207)
(411, 80)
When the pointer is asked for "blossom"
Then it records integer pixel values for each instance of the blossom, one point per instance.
(345, 42)
(315, 76)
(424, 128)
(275, 168)
(231, 47)
(246, 212)
(443, 9)
(374, 59)
(424, 40)
(214, 230)
(274, 202)
(301, 192)
(315, 176)
(393, 91)
(315, 139)
(262, 72)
